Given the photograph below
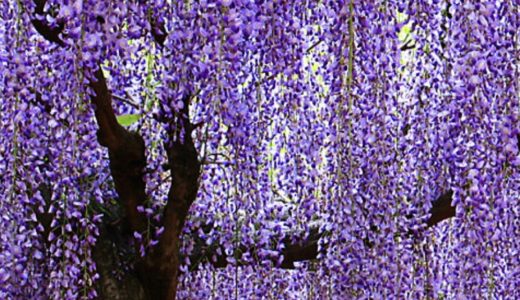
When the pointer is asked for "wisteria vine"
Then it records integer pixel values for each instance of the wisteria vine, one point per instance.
(338, 123)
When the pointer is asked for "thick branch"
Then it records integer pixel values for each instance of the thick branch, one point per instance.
(441, 209)
(307, 249)
(48, 32)
(185, 170)
(158, 31)
(126, 152)
(301, 251)
(126, 149)
(110, 133)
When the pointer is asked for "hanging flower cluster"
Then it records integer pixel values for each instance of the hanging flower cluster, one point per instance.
(346, 119)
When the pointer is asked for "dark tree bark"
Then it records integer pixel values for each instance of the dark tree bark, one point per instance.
(158, 270)
(48, 32)
(163, 260)
(114, 283)
(299, 248)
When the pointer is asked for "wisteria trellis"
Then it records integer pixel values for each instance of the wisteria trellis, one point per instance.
(340, 120)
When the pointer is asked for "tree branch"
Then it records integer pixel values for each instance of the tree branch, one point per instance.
(125, 149)
(157, 28)
(441, 209)
(47, 108)
(408, 46)
(307, 249)
(48, 32)
(185, 170)
(110, 132)
(126, 152)
(43, 216)
(158, 31)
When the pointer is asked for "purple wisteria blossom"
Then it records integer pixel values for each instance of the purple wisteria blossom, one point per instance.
(247, 149)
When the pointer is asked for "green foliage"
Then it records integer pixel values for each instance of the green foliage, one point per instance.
(128, 119)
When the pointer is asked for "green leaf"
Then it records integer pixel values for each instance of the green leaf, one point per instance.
(129, 119)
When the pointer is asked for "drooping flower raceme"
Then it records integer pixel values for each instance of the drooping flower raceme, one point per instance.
(349, 118)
